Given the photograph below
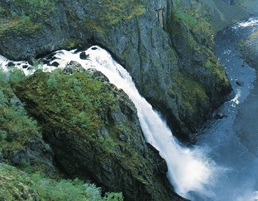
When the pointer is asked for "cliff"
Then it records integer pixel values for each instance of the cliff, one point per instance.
(166, 45)
(98, 125)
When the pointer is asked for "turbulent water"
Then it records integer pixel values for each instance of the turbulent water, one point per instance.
(219, 167)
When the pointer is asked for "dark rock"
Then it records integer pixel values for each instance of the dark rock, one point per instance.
(55, 63)
(21, 141)
(10, 64)
(48, 59)
(84, 56)
(25, 66)
(20, 157)
(35, 152)
(239, 83)
(219, 115)
(31, 60)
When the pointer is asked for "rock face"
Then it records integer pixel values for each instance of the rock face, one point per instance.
(95, 134)
(178, 74)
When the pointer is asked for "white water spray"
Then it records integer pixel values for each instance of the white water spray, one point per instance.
(188, 170)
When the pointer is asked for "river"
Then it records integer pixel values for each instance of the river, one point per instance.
(231, 141)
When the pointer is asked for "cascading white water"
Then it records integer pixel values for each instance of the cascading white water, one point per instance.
(188, 169)
(219, 167)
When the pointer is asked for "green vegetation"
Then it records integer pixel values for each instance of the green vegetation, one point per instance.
(189, 92)
(71, 101)
(193, 26)
(111, 12)
(84, 110)
(182, 15)
(196, 19)
(16, 129)
(24, 16)
(17, 185)
(15, 125)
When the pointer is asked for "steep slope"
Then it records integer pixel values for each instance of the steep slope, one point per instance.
(146, 37)
(95, 134)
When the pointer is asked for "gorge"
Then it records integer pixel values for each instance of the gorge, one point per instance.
(176, 63)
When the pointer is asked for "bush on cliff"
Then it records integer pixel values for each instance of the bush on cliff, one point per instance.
(17, 185)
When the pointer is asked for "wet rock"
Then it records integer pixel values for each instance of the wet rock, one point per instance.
(31, 60)
(55, 63)
(84, 56)
(219, 115)
(239, 83)
(10, 64)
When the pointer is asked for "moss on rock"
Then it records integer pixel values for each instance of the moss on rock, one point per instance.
(95, 133)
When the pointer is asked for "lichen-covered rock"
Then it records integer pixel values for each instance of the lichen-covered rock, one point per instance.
(94, 131)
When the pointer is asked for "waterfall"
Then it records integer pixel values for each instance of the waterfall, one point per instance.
(219, 167)
(188, 169)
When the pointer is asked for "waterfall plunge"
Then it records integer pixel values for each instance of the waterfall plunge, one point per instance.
(188, 169)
